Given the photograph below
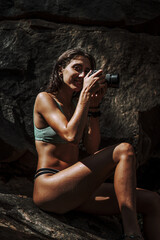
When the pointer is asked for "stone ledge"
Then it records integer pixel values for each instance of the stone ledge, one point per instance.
(21, 219)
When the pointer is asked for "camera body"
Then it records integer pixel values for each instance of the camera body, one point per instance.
(111, 79)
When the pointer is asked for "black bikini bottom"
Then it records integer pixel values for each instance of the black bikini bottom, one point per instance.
(45, 170)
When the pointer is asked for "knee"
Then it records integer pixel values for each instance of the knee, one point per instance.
(124, 151)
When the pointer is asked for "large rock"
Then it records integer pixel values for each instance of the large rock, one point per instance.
(135, 15)
(29, 49)
(21, 219)
(32, 35)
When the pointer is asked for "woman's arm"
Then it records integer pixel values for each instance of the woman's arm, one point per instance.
(71, 130)
(92, 136)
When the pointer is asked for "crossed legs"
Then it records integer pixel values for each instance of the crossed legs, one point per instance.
(78, 187)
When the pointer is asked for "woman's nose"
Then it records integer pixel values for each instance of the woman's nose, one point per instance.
(82, 74)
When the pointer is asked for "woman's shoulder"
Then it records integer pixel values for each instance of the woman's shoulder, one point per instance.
(42, 95)
(44, 100)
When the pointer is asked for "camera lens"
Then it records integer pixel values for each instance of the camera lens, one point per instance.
(112, 80)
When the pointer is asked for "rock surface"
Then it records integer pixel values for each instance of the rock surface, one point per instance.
(137, 16)
(124, 38)
(29, 49)
(21, 219)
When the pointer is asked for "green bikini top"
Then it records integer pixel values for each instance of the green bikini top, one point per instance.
(48, 134)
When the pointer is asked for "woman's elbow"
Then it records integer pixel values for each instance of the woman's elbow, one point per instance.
(72, 139)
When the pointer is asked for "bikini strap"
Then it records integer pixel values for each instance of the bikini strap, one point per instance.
(45, 170)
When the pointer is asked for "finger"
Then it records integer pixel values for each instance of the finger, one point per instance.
(97, 73)
(87, 75)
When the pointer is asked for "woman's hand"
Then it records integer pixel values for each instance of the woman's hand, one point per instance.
(95, 84)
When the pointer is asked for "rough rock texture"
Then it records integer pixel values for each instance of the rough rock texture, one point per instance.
(137, 16)
(29, 49)
(21, 219)
(124, 38)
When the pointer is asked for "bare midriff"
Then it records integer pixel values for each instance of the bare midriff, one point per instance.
(58, 156)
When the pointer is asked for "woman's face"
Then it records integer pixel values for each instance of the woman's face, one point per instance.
(75, 71)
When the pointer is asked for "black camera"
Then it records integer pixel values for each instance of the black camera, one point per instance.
(111, 79)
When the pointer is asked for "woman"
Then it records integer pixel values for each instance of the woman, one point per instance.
(63, 182)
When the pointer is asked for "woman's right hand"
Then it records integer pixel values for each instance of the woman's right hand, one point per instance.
(94, 82)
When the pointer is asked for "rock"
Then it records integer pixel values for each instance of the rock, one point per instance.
(134, 15)
(21, 219)
(124, 38)
(28, 44)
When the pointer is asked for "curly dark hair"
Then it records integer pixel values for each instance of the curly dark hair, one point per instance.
(55, 80)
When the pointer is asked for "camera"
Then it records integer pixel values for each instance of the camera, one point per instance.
(111, 79)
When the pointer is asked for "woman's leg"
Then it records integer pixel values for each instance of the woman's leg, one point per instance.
(71, 187)
(104, 202)
(125, 188)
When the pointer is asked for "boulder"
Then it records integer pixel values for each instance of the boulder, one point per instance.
(124, 38)
(29, 49)
(137, 16)
(21, 219)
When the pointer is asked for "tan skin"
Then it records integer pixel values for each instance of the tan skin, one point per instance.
(80, 183)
